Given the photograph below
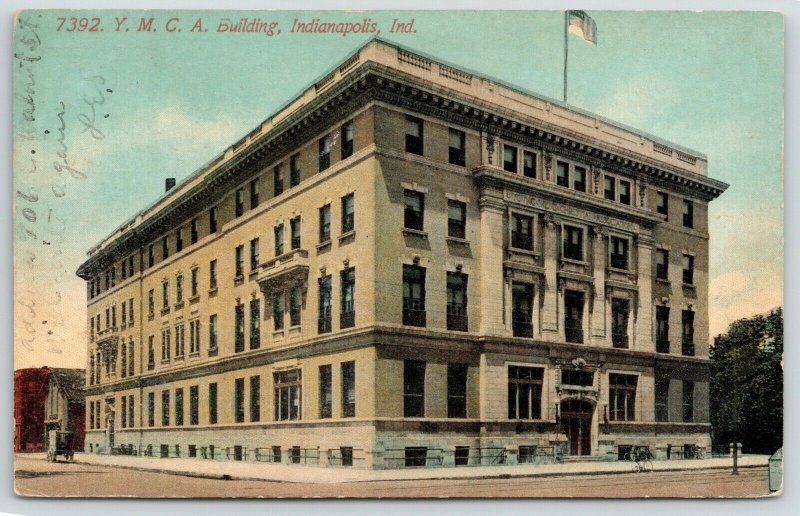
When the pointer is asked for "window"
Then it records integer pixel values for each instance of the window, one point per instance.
(688, 269)
(325, 224)
(413, 295)
(413, 388)
(238, 400)
(620, 308)
(662, 329)
(212, 333)
(151, 352)
(287, 395)
(239, 202)
(164, 250)
(325, 152)
(124, 313)
(131, 353)
(255, 398)
(688, 214)
(347, 318)
(124, 270)
(255, 323)
(151, 409)
(576, 377)
(212, 403)
(529, 164)
(457, 301)
(688, 401)
(179, 289)
(295, 305)
(622, 396)
(522, 309)
(194, 337)
(294, 226)
(239, 328)
(415, 456)
(662, 399)
(348, 134)
(579, 179)
(278, 239)
(212, 220)
(193, 233)
(457, 147)
(277, 180)
(294, 170)
(562, 174)
(414, 210)
(324, 320)
(179, 240)
(573, 243)
(510, 159)
(521, 232)
(254, 254)
(277, 310)
(348, 213)
(325, 391)
(165, 294)
(124, 356)
(239, 261)
(178, 407)
(525, 392)
(164, 408)
(573, 316)
(457, 390)
(346, 453)
(624, 192)
(662, 204)
(194, 282)
(254, 197)
(212, 275)
(349, 389)
(414, 135)
(619, 253)
(180, 341)
(687, 335)
(456, 219)
(662, 264)
(113, 276)
(610, 188)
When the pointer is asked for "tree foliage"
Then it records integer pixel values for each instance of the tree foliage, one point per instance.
(747, 384)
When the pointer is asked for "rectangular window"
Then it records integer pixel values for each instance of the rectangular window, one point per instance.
(287, 395)
(662, 264)
(239, 261)
(348, 135)
(688, 401)
(194, 285)
(164, 408)
(324, 319)
(522, 309)
(662, 204)
(413, 388)
(212, 220)
(577, 377)
(456, 219)
(457, 301)
(239, 328)
(294, 226)
(212, 403)
(619, 253)
(521, 232)
(579, 179)
(294, 170)
(325, 224)
(457, 390)
(164, 247)
(413, 295)
(688, 269)
(151, 409)
(124, 312)
(254, 195)
(688, 214)
(414, 135)
(123, 412)
(151, 352)
(622, 397)
(346, 453)
(130, 411)
(325, 152)
(662, 399)
(165, 294)
(416, 456)
(212, 275)
(255, 259)
(562, 174)
(573, 243)
(325, 391)
(130, 266)
(457, 146)
(624, 192)
(347, 318)
(662, 329)
(687, 336)
(179, 240)
(178, 407)
(179, 289)
(525, 392)
(278, 230)
(348, 213)
(529, 164)
(124, 270)
(510, 159)
(212, 333)
(255, 323)
(277, 310)
(573, 316)
(255, 398)
(413, 215)
(609, 188)
(295, 305)
(620, 310)
(193, 232)
(277, 180)
(194, 400)
(349, 389)
(238, 400)
(194, 337)
(180, 341)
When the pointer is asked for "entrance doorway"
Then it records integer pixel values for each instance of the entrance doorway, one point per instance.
(576, 420)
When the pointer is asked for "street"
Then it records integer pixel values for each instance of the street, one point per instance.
(36, 477)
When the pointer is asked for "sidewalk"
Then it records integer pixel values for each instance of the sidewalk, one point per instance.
(231, 470)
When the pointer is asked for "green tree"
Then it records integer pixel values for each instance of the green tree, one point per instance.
(747, 384)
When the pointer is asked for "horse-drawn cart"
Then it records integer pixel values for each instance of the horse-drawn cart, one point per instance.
(60, 443)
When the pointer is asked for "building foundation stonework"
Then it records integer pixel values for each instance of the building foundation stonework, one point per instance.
(410, 266)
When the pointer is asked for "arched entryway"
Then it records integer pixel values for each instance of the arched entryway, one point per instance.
(576, 422)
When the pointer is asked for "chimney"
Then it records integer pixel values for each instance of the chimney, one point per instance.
(169, 184)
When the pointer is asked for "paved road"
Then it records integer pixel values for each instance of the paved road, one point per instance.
(36, 477)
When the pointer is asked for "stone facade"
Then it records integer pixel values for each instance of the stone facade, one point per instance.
(466, 273)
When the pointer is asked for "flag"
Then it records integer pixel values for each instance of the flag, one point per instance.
(581, 24)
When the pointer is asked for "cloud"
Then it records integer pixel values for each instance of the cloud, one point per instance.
(727, 284)
(176, 126)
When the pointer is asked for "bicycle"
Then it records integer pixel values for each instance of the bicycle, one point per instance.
(641, 459)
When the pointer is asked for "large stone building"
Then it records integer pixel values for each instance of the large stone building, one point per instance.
(410, 264)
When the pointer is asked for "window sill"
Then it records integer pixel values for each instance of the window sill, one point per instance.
(575, 262)
(194, 299)
(519, 250)
(150, 317)
(194, 354)
(180, 357)
(212, 292)
(164, 311)
(252, 274)
(457, 241)
(150, 367)
(238, 280)
(277, 334)
(347, 235)
(663, 281)
(322, 246)
(213, 352)
(165, 361)
(416, 232)
(178, 306)
(620, 271)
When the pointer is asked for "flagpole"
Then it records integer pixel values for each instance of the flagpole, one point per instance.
(566, 52)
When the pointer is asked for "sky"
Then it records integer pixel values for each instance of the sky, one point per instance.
(136, 107)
